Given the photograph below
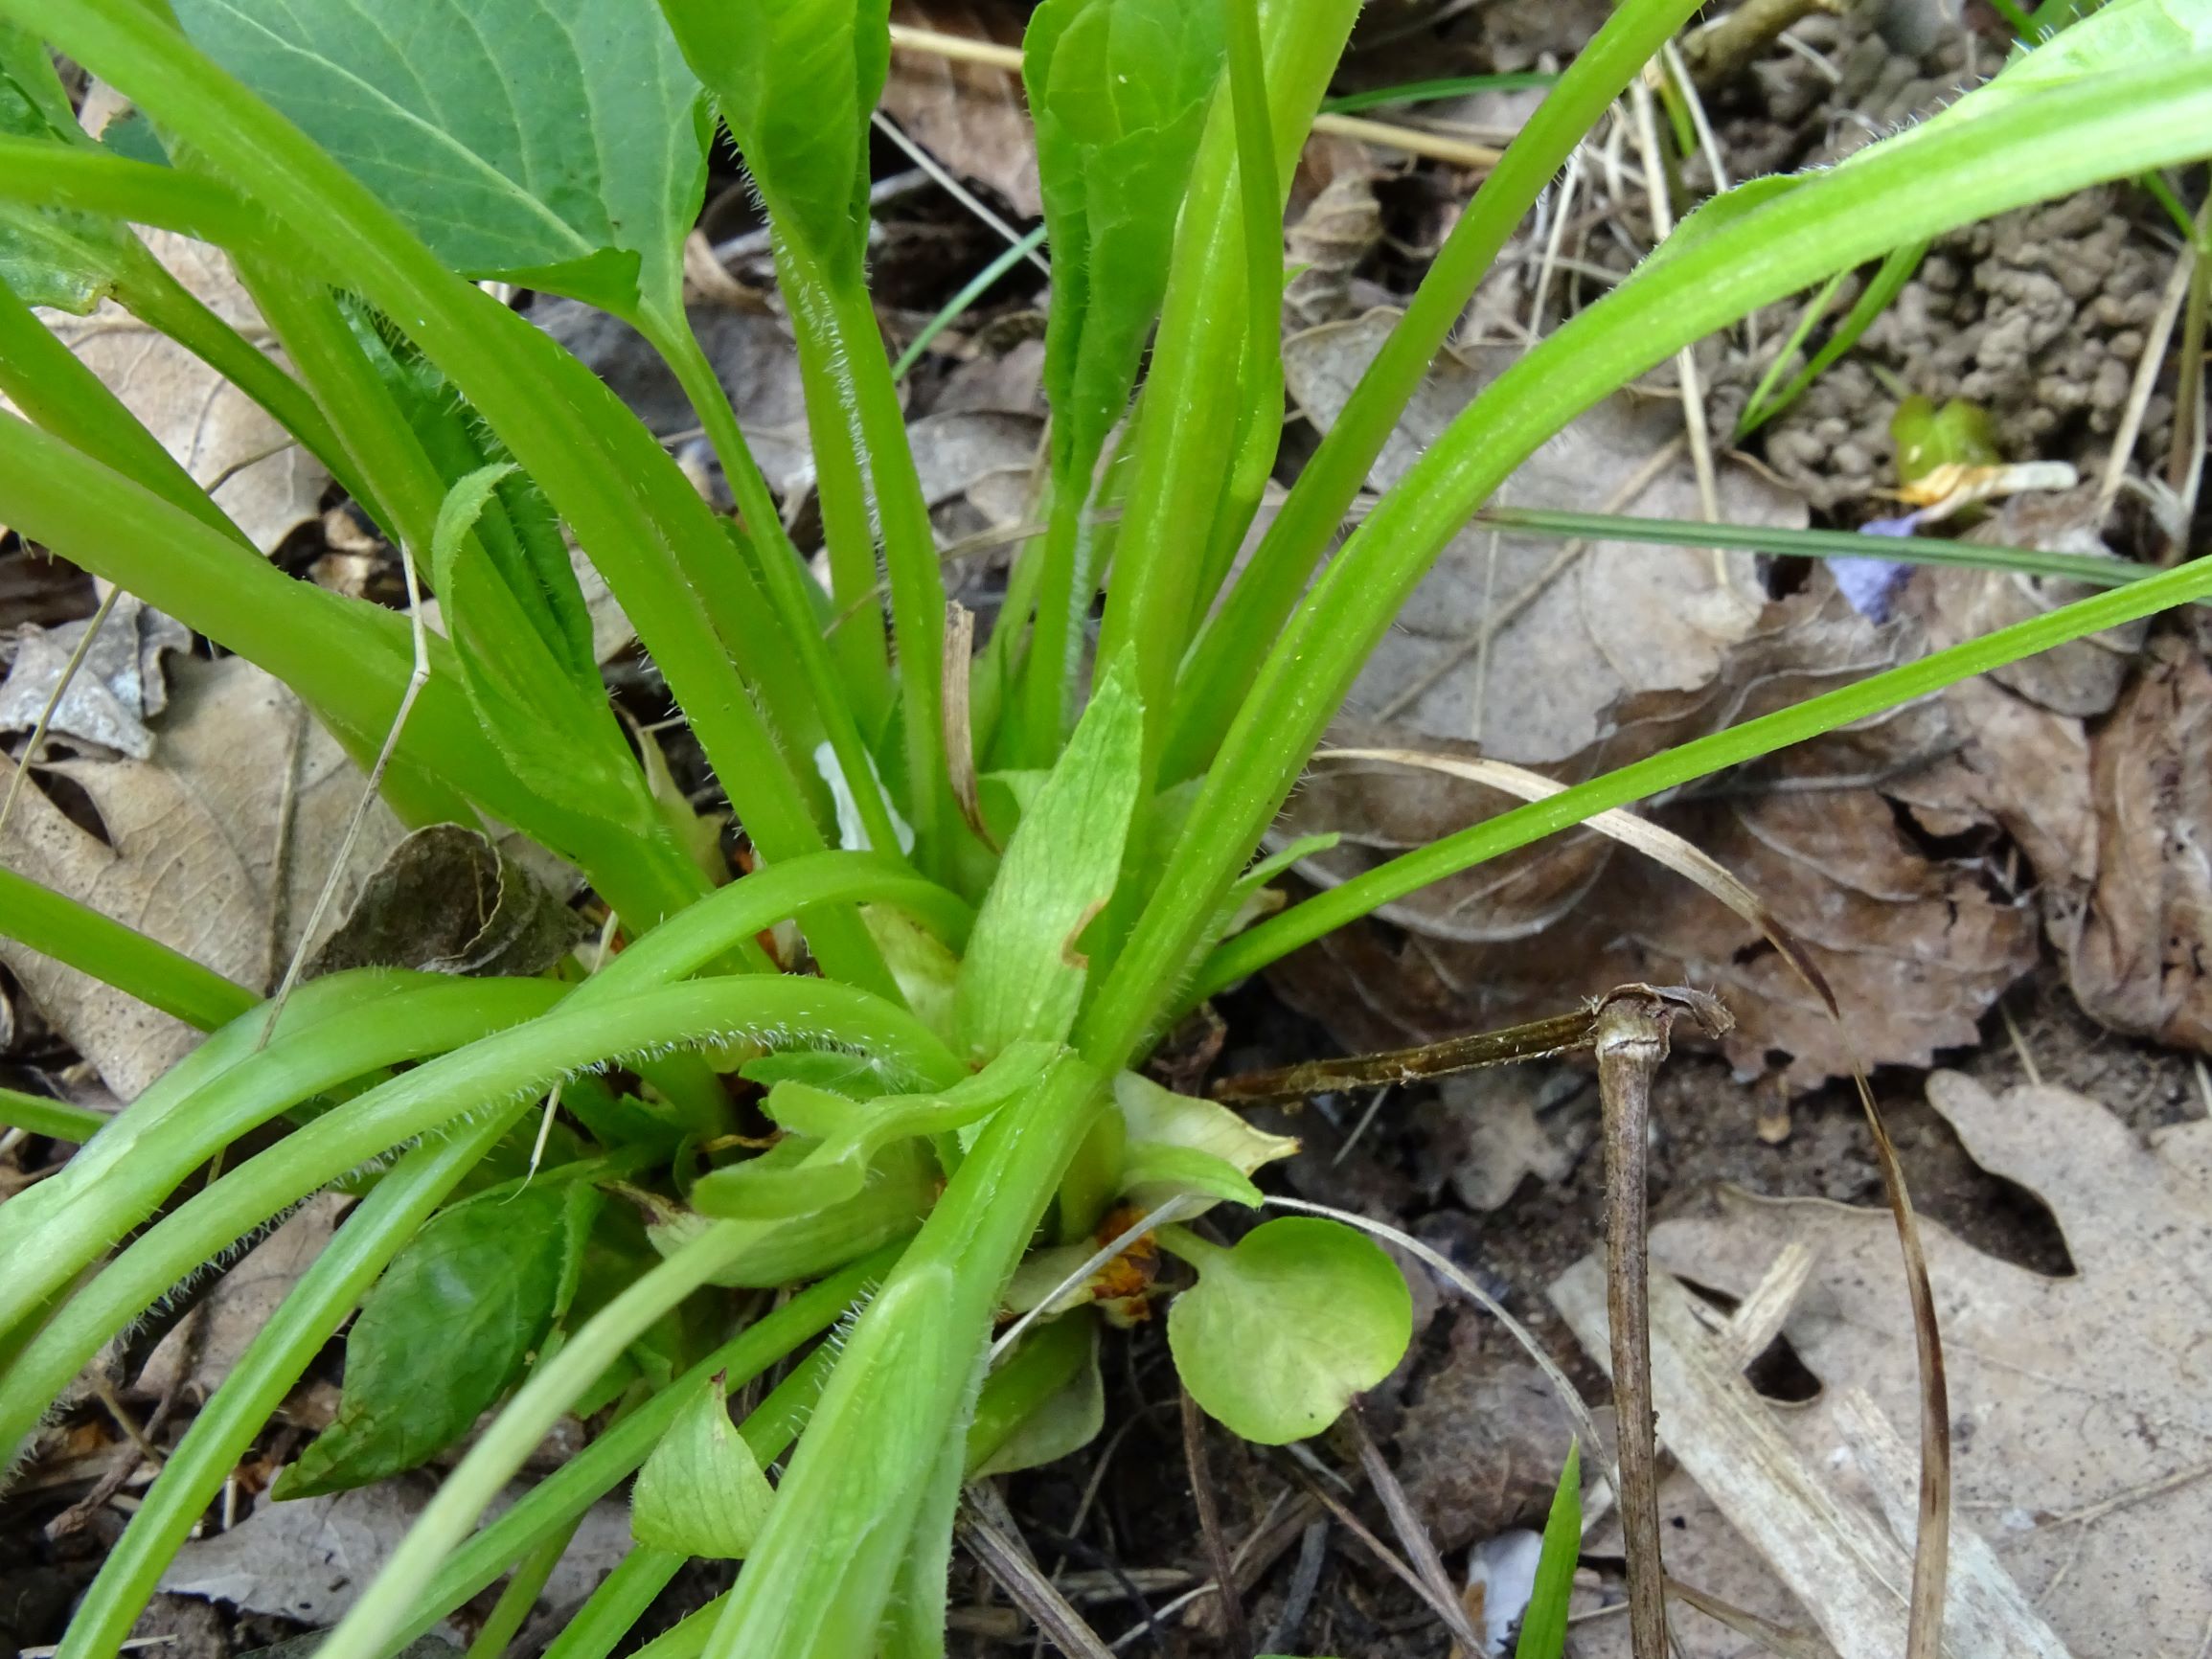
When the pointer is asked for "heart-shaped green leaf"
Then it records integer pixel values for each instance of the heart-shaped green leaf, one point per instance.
(701, 1492)
(558, 142)
(1281, 1331)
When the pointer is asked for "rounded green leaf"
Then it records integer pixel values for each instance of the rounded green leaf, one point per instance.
(1281, 1331)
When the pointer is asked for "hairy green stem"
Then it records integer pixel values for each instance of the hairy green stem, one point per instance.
(96, 943)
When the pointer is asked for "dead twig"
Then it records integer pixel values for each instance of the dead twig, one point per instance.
(1420, 1548)
(1631, 1039)
(1232, 1603)
(1012, 1569)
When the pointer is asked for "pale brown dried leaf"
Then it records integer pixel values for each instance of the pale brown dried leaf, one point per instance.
(217, 845)
(116, 685)
(2141, 953)
(2086, 1454)
(973, 117)
(1583, 630)
(267, 484)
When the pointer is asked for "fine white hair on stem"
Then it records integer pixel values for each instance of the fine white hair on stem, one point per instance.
(418, 676)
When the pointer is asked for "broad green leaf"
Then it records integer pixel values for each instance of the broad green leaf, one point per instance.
(556, 143)
(701, 1492)
(51, 256)
(796, 81)
(902, 1184)
(456, 1318)
(1023, 975)
(1161, 1122)
(1543, 1627)
(1119, 89)
(1064, 1420)
(1281, 1331)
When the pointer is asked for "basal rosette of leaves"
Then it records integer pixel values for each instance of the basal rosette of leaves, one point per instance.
(954, 1079)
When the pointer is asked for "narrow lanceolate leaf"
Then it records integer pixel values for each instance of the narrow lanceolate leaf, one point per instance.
(1119, 89)
(1543, 1627)
(795, 81)
(1281, 1331)
(456, 1318)
(702, 1492)
(50, 256)
(558, 142)
(1024, 972)
(553, 727)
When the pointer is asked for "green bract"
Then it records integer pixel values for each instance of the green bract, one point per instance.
(991, 923)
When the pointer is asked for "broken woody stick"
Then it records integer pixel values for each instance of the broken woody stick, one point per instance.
(1629, 1030)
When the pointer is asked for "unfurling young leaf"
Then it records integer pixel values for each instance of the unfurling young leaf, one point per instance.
(1044, 1402)
(560, 144)
(701, 1492)
(1023, 975)
(840, 1135)
(1178, 1143)
(455, 1320)
(902, 1182)
(1543, 1625)
(1281, 1331)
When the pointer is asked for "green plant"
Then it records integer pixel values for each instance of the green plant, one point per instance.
(992, 959)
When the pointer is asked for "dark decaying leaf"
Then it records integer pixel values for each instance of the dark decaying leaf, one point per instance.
(446, 900)
(1916, 946)
(457, 1317)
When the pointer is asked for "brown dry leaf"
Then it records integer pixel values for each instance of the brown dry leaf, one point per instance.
(2082, 677)
(309, 1561)
(268, 484)
(2081, 1406)
(1600, 659)
(115, 686)
(969, 116)
(216, 847)
(2142, 953)
(448, 900)
(1334, 224)
(200, 1351)
(1583, 631)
